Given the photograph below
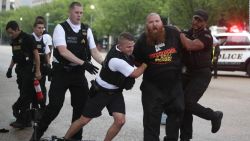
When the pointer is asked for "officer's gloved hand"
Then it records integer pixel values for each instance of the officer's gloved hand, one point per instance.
(9, 73)
(129, 83)
(90, 67)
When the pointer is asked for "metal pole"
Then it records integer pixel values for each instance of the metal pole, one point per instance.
(91, 20)
(47, 21)
(1, 41)
(91, 15)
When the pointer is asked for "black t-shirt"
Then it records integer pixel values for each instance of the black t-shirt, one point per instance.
(163, 59)
(200, 58)
(26, 43)
(204, 36)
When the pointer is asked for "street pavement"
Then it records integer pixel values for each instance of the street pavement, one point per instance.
(229, 93)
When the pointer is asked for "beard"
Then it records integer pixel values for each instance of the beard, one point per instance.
(155, 37)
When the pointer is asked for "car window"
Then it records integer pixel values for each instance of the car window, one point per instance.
(237, 40)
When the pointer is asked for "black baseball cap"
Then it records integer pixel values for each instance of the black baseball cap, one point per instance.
(202, 14)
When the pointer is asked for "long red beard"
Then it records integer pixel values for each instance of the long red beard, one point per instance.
(155, 38)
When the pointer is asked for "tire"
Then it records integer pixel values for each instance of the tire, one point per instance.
(248, 69)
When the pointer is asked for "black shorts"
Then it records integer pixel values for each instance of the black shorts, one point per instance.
(94, 106)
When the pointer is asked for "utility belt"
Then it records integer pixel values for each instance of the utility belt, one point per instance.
(198, 71)
(198, 68)
(99, 88)
(24, 64)
(67, 68)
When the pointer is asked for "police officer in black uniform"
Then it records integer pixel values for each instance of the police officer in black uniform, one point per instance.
(117, 73)
(160, 47)
(44, 53)
(25, 54)
(197, 58)
(74, 46)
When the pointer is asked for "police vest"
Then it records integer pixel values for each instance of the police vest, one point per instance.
(21, 56)
(41, 50)
(116, 78)
(200, 58)
(77, 43)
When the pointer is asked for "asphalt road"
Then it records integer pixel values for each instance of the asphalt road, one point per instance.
(230, 93)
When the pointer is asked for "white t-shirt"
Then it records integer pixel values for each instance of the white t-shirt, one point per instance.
(45, 41)
(116, 65)
(59, 35)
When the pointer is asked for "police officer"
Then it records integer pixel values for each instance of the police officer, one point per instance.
(44, 53)
(24, 54)
(74, 46)
(48, 41)
(46, 36)
(160, 47)
(117, 73)
(216, 54)
(197, 58)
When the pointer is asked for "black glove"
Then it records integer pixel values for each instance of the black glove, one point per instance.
(129, 83)
(90, 67)
(9, 73)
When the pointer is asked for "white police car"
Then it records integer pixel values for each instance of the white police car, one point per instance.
(234, 51)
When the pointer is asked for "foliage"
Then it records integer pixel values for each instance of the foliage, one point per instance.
(111, 17)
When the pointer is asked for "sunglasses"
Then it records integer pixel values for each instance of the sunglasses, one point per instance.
(198, 19)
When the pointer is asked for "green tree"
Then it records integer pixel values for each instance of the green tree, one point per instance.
(115, 16)
(181, 11)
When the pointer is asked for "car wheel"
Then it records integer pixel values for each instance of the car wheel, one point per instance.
(248, 69)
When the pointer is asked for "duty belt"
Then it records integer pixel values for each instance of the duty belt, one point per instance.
(68, 68)
(105, 90)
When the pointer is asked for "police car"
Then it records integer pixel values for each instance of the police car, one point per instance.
(234, 51)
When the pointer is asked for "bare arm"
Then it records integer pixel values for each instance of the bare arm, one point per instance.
(191, 45)
(96, 55)
(139, 71)
(37, 63)
(65, 53)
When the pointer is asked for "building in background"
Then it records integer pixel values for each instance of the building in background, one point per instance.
(6, 5)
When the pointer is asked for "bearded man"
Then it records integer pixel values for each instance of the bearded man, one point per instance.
(160, 47)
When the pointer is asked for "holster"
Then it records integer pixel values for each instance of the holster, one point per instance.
(93, 89)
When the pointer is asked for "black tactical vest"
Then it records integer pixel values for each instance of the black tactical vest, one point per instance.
(116, 78)
(41, 50)
(77, 43)
(200, 58)
(21, 54)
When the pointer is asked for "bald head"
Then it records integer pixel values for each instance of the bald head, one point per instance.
(152, 15)
(154, 29)
(153, 23)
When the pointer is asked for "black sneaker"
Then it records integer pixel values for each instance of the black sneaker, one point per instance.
(38, 137)
(20, 125)
(216, 122)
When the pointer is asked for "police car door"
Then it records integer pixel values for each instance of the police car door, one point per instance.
(234, 52)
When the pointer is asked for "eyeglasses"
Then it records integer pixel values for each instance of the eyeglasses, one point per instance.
(197, 19)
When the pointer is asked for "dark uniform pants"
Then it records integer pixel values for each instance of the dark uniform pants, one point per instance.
(215, 66)
(195, 84)
(154, 102)
(63, 80)
(24, 80)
